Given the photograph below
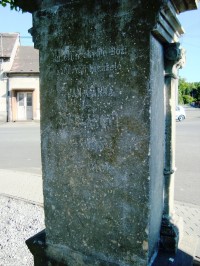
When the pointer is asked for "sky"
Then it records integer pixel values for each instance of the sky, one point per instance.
(190, 41)
(12, 21)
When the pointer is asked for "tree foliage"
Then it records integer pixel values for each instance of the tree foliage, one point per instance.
(188, 92)
(11, 3)
(24, 6)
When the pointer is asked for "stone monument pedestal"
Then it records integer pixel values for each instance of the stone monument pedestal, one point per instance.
(103, 115)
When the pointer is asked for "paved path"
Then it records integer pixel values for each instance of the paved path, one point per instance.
(189, 215)
(21, 185)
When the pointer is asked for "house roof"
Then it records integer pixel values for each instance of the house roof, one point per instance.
(26, 60)
(7, 41)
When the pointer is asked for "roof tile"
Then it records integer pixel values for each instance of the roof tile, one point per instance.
(7, 41)
(26, 60)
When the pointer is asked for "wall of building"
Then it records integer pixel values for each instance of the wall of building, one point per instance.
(5, 67)
(24, 83)
(3, 98)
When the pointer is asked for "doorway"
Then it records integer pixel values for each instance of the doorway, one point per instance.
(24, 105)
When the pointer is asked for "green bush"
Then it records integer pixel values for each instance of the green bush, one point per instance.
(188, 99)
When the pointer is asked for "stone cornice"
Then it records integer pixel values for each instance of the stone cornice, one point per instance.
(185, 5)
(29, 6)
(168, 28)
(34, 5)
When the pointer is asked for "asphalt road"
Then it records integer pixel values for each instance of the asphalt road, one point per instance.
(20, 147)
(187, 178)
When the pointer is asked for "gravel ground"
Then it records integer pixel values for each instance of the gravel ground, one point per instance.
(19, 220)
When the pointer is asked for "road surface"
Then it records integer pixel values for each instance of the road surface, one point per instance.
(187, 178)
(20, 147)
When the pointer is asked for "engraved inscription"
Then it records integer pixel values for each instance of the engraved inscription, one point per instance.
(75, 64)
(89, 92)
(88, 106)
(104, 67)
(93, 121)
(83, 106)
(91, 68)
(68, 54)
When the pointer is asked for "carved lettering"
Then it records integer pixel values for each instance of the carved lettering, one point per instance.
(89, 92)
(91, 68)
(93, 121)
(68, 54)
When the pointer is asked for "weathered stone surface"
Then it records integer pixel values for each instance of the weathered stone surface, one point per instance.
(96, 126)
(157, 140)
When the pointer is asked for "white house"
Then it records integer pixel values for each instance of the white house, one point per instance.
(19, 80)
